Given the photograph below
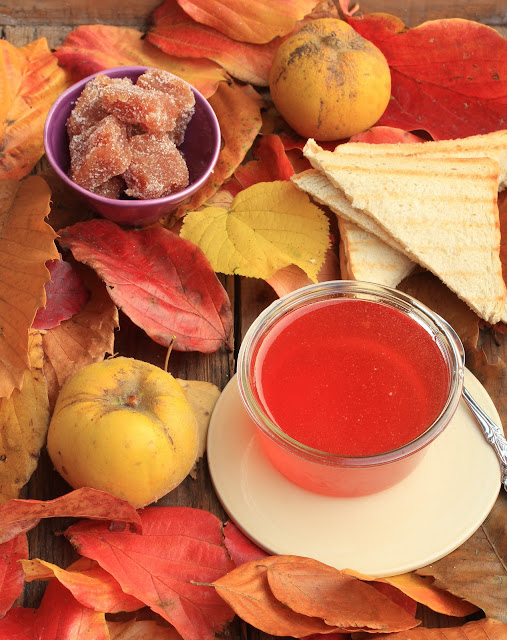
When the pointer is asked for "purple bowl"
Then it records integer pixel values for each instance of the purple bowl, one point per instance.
(200, 147)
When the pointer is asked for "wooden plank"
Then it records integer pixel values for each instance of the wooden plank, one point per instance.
(136, 12)
(489, 12)
(133, 13)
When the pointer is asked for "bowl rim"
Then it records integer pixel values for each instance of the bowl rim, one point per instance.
(419, 312)
(136, 203)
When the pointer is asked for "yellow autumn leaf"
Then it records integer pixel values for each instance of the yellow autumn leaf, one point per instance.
(24, 419)
(268, 226)
(202, 397)
(26, 244)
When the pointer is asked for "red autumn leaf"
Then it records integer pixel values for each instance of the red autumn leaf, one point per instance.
(457, 88)
(379, 135)
(59, 617)
(89, 584)
(178, 548)
(66, 294)
(93, 48)
(162, 282)
(271, 163)
(11, 571)
(247, 591)
(259, 21)
(315, 589)
(238, 110)
(83, 339)
(240, 548)
(31, 82)
(17, 515)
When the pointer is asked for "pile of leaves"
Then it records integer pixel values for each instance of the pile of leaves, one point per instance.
(75, 271)
(177, 572)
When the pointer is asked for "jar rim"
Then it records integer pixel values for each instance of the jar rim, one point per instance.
(351, 289)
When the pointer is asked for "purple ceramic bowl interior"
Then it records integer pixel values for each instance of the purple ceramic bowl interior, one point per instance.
(200, 148)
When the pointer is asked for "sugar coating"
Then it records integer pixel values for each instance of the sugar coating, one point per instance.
(157, 167)
(98, 154)
(181, 93)
(88, 110)
(154, 110)
(111, 188)
(124, 136)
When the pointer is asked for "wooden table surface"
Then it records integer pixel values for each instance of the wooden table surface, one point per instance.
(53, 19)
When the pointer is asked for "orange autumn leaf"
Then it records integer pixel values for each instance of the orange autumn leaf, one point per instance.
(91, 585)
(485, 629)
(30, 81)
(423, 590)
(312, 588)
(246, 590)
(257, 21)
(26, 243)
(238, 110)
(92, 48)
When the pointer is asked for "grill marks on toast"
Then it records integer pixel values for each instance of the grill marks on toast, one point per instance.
(491, 145)
(440, 211)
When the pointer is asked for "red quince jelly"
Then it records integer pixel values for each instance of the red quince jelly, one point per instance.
(350, 377)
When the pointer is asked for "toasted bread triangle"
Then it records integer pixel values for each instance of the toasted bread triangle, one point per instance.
(490, 145)
(366, 251)
(441, 211)
(364, 256)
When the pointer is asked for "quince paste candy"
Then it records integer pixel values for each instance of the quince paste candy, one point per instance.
(154, 110)
(156, 169)
(99, 154)
(180, 93)
(88, 110)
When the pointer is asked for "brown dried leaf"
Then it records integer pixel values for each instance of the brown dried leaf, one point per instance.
(24, 420)
(432, 292)
(141, 630)
(26, 243)
(477, 570)
(493, 376)
(83, 339)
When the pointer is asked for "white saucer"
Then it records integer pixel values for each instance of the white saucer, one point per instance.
(428, 515)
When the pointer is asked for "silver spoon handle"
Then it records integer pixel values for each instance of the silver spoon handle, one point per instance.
(492, 433)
